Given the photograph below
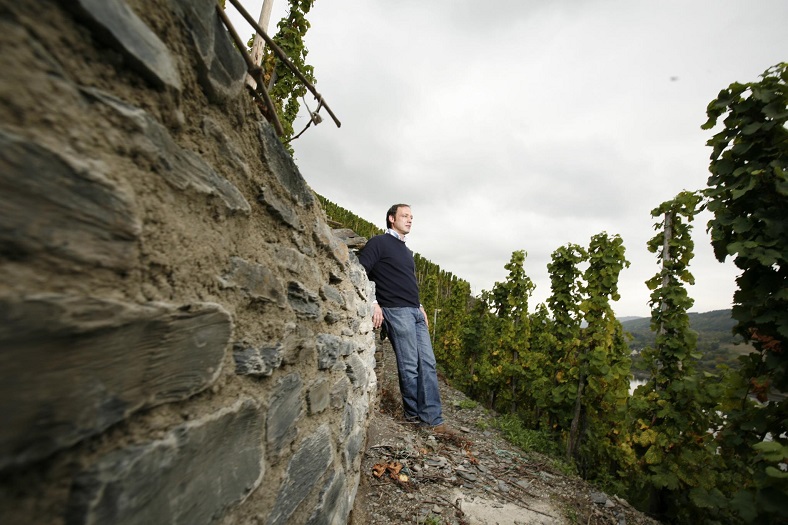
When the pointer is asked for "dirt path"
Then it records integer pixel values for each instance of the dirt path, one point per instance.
(412, 476)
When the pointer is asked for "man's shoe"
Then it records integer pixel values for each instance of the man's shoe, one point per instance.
(444, 430)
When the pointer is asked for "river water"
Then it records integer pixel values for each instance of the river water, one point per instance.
(634, 383)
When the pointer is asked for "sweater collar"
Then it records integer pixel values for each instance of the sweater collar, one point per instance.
(395, 234)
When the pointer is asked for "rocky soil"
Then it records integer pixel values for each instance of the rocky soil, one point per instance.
(410, 475)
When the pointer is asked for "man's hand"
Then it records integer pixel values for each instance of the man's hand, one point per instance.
(377, 316)
(426, 321)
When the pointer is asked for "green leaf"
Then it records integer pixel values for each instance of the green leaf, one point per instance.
(707, 499)
(776, 473)
(751, 128)
(775, 110)
(744, 504)
(741, 148)
(771, 450)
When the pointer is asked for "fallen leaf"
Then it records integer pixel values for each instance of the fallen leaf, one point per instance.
(378, 470)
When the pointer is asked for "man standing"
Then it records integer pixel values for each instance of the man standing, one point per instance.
(389, 263)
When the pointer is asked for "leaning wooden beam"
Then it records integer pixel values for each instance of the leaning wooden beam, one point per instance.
(254, 71)
(283, 57)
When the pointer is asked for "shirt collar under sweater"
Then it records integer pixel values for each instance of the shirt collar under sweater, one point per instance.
(395, 234)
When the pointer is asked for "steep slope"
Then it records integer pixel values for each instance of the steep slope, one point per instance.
(475, 477)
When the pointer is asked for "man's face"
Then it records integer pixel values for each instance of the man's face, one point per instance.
(402, 221)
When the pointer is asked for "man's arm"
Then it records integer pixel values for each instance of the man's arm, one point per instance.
(368, 257)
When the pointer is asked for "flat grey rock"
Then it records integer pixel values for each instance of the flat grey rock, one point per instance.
(72, 365)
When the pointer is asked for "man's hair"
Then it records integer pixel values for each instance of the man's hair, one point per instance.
(393, 212)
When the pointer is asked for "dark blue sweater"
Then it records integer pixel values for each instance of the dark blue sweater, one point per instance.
(390, 264)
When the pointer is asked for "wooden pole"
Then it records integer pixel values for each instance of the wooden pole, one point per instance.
(258, 45)
(666, 259)
(283, 57)
(252, 70)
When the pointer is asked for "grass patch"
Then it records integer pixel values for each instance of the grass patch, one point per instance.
(432, 519)
(529, 440)
(467, 404)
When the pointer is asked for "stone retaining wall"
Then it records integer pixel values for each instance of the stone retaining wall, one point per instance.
(182, 338)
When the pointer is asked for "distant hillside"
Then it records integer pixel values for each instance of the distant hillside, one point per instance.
(716, 341)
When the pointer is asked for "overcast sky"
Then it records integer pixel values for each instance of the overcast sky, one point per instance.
(526, 125)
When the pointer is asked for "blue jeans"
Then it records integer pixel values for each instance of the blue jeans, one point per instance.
(418, 378)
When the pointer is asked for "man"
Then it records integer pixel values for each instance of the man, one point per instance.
(389, 263)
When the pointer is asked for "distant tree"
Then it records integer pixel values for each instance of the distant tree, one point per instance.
(483, 347)
(540, 371)
(603, 360)
(564, 302)
(748, 194)
(673, 412)
(454, 319)
(510, 301)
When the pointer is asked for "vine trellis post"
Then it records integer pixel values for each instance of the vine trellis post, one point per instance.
(258, 45)
(256, 72)
(666, 259)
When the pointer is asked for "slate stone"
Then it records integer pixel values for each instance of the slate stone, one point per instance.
(600, 498)
(50, 205)
(318, 396)
(356, 371)
(350, 238)
(332, 317)
(284, 411)
(358, 276)
(220, 67)
(299, 345)
(251, 361)
(181, 168)
(117, 25)
(324, 237)
(255, 280)
(349, 346)
(228, 150)
(467, 476)
(329, 348)
(329, 293)
(340, 393)
(334, 504)
(303, 474)
(190, 477)
(304, 302)
(348, 421)
(294, 261)
(71, 366)
(281, 164)
(353, 447)
(342, 233)
(284, 212)
(363, 326)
